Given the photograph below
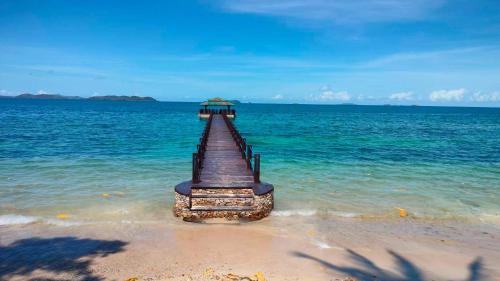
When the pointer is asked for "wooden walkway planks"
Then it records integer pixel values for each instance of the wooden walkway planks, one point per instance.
(225, 179)
(223, 164)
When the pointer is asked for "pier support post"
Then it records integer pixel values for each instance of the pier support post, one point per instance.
(195, 176)
(256, 168)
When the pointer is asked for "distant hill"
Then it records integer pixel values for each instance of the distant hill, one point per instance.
(47, 97)
(6, 97)
(122, 98)
(61, 97)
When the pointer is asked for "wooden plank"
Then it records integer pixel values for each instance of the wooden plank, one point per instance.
(223, 196)
(218, 185)
(223, 163)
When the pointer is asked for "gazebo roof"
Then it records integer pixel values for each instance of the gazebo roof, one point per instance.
(216, 102)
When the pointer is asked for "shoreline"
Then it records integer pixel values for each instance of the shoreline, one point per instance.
(117, 214)
(279, 248)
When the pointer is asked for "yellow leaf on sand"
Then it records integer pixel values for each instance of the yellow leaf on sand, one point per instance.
(311, 232)
(259, 276)
(402, 212)
(209, 272)
(232, 276)
(62, 216)
(132, 279)
(105, 195)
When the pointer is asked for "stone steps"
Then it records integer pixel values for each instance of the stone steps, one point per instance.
(218, 202)
(215, 198)
(222, 208)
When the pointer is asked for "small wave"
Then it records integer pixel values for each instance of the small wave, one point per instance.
(343, 214)
(20, 219)
(62, 222)
(322, 245)
(489, 218)
(312, 212)
(17, 219)
(289, 213)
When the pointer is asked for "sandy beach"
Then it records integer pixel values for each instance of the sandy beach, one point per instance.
(250, 140)
(278, 248)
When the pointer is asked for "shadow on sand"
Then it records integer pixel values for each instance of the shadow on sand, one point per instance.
(68, 255)
(367, 270)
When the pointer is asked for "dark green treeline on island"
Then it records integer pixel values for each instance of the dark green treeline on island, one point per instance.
(61, 97)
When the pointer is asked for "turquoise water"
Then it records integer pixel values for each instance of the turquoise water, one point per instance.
(348, 161)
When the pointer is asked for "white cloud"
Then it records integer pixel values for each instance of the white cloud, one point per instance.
(5, 93)
(324, 88)
(43, 92)
(63, 69)
(397, 59)
(403, 96)
(491, 97)
(447, 95)
(277, 97)
(339, 11)
(328, 95)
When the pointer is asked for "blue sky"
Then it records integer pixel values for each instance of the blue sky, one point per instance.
(428, 52)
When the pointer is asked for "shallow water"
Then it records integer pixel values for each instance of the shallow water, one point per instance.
(349, 161)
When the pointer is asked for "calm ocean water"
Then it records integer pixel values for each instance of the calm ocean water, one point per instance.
(62, 156)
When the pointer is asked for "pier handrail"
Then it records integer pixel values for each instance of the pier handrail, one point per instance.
(245, 149)
(218, 111)
(200, 152)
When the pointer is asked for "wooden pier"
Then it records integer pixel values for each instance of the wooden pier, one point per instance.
(225, 177)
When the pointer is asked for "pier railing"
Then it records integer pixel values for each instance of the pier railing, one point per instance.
(252, 160)
(200, 151)
(218, 111)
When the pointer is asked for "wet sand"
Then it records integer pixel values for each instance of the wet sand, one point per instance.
(280, 248)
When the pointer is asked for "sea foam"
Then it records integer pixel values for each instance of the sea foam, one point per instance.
(288, 213)
(17, 219)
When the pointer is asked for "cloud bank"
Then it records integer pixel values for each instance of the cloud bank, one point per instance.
(5, 93)
(328, 95)
(447, 95)
(403, 96)
(339, 11)
(491, 97)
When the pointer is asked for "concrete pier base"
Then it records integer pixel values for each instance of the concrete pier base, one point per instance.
(224, 203)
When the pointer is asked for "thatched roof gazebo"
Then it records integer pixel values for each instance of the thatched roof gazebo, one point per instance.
(217, 102)
(214, 106)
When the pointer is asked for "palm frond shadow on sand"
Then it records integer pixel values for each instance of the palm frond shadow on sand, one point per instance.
(70, 256)
(367, 270)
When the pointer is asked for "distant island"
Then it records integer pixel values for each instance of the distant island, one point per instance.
(46, 97)
(61, 97)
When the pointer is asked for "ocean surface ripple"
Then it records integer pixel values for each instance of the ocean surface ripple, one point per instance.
(118, 161)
